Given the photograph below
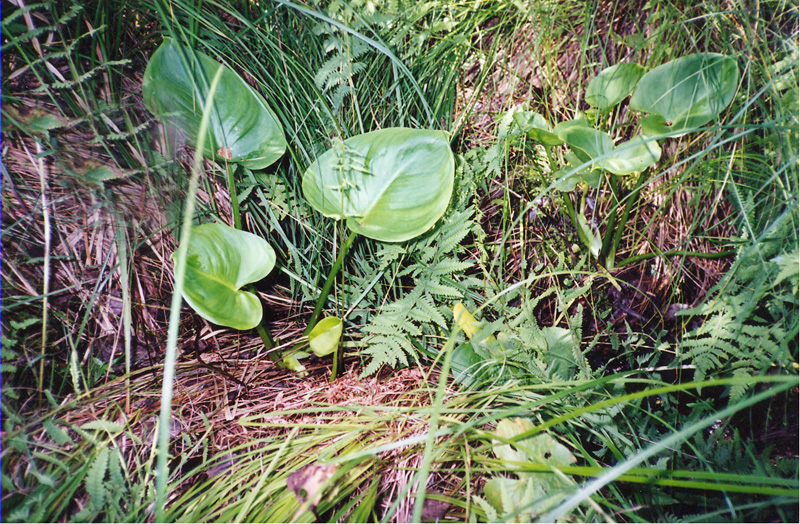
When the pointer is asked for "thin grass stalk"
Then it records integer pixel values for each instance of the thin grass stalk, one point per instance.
(248, 502)
(46, 266)
(608, 257)
(430, 443)
(175, 307)
(377, 45)
(122, 250)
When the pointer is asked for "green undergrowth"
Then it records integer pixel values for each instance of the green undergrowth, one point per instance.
(676, 402)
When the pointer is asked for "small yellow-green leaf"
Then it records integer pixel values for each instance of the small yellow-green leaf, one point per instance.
(324, 338)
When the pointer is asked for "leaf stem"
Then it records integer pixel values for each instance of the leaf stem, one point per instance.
(266, 338)
(620, 226)
(326, 287)
(237, 217)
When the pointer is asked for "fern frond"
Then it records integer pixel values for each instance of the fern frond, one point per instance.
(386, 351)
(95, 477)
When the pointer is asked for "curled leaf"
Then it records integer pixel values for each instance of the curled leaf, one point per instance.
(324, 338)
(220, 261)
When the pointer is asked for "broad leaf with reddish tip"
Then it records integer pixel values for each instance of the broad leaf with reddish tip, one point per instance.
(243, 129)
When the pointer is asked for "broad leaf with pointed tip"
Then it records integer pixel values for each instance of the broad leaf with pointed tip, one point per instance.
(390, 185)
(243, 129)
(612, 85)
(220, 261)
(687, 92)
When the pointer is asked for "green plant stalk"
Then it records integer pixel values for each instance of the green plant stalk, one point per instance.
(237, 217)
(122, 250)
(266, 337)
(620, 226)
(676, 253)
(46, 268)
(175, 308)
(326, 287)
(611, 225)
(564, 194)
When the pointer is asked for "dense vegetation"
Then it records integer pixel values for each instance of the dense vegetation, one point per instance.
(590, 312)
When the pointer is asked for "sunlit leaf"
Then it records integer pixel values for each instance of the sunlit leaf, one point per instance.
(391, 185)
(587, 143)
(688, 92)
(612, 85)
(243, 129)
(633, 156)
(220, 261)
(324, 338)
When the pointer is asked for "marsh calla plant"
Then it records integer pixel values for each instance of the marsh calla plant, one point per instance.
(220, 260)
(324, 338)
(613, 85)
(243, 128)
(390, 185)
(675, 98)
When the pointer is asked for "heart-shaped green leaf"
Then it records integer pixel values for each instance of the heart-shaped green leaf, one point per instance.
(324, 338)
(390, 185)
(586, 142)
(243, 129)
(688, 92)
(220, 261)
(612, 85)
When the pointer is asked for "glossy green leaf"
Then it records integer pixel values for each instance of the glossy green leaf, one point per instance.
(612, 85)
(687, 92)
(633, 156)
(220, 261)
(324, 338)
(586, 142)
(243, 129)
(391, 185)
